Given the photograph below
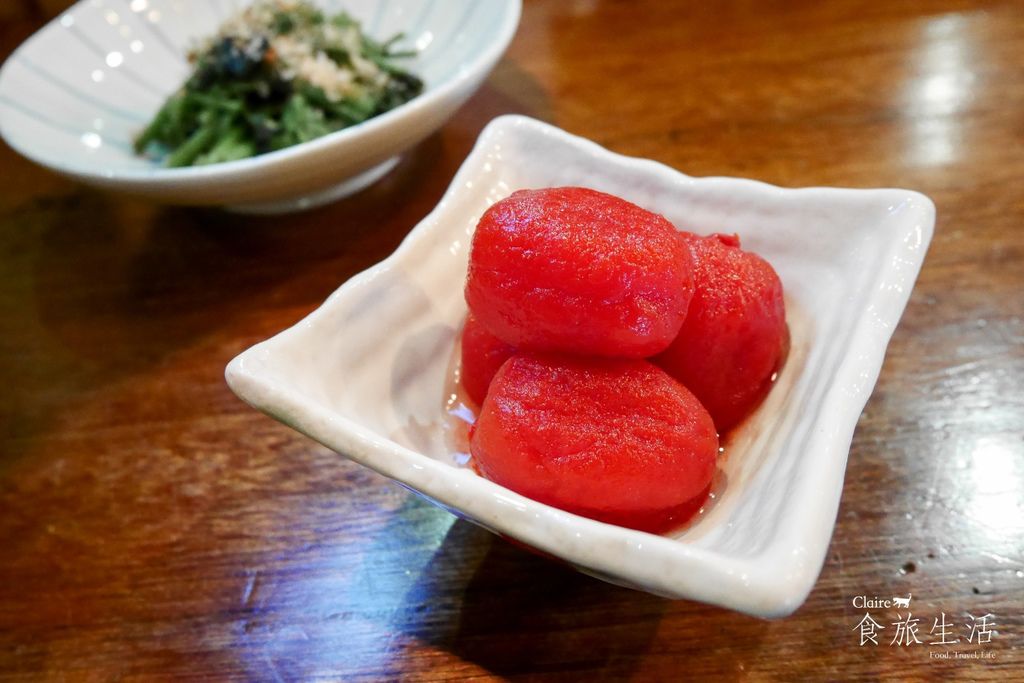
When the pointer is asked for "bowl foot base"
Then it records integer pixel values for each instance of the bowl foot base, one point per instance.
(312, 201)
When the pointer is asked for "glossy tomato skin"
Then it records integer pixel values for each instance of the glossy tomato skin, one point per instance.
(574, 270)
(734, 338)
(613, 439)
(482, 354)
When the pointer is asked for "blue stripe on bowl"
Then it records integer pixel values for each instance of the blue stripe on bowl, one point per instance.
(154, 30)
(487, 36)
(102, 52)
(65, 128)
(80, 95)
(421, 22)
(374, 24)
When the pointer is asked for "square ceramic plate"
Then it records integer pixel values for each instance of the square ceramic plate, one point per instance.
(368, 373)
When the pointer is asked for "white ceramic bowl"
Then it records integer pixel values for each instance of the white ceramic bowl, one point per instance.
(75, 94)
(368, 372)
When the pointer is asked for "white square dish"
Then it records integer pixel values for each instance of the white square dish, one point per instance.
(367, 373)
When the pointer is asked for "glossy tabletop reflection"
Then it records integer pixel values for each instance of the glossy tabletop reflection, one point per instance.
(154, 527)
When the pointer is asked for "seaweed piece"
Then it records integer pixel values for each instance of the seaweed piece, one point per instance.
(249, 94)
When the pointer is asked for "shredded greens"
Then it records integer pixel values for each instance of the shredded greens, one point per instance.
(278, 73)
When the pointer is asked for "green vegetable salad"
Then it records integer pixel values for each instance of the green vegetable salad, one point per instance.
(276, 74)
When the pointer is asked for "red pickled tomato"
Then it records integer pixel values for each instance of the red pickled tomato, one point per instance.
(482, 355)
(580, 271)
(735, 336)
(610, 439)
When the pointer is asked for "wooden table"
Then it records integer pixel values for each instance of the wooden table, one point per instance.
(154, 527)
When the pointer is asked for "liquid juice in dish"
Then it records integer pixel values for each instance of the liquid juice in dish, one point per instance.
(460, 412)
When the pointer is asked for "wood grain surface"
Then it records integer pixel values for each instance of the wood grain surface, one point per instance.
(152, 527)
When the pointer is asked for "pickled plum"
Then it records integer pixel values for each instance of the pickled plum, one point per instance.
(734, 337)
(482, 354)
(617, 440)
(569, 289)
(576, 270)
